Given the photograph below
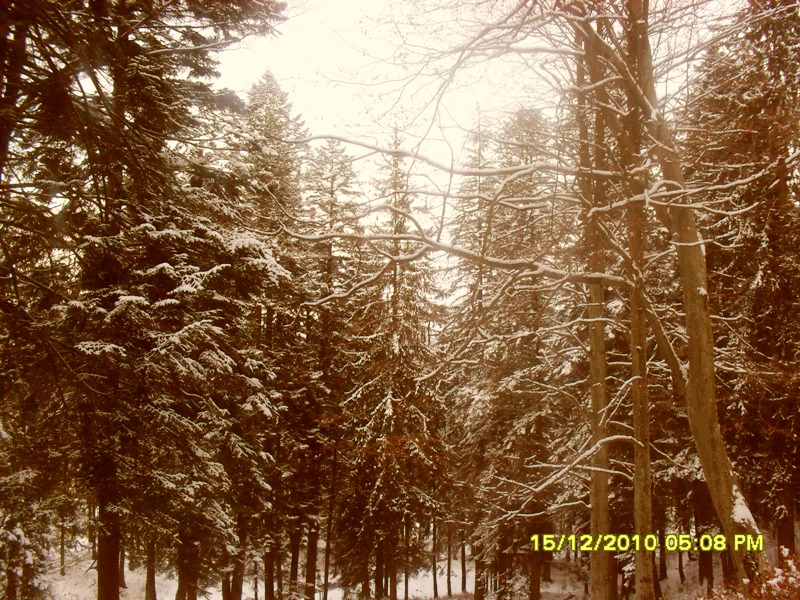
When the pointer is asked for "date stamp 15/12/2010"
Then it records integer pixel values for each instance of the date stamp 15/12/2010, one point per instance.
(621, 542)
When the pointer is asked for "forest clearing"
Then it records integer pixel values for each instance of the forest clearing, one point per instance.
(533, 319)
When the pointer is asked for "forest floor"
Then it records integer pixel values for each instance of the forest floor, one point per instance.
(79, 583)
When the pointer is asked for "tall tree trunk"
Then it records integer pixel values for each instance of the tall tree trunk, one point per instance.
(365, 579)
(379, 592)
(237, 573)
(642, 487)
(391, 563)
(329, 521)
(435, 568)
(278, 555)
(784, 526)
(463, 564)
(295, 537)
(188, 566)
(613, 590)
(13, 67)
(11, 572)
(700, 389)
(593, 194)
(449, 559)
(503, 592)
(311, 560)
(122, 583)
(701, 500)
(406, 553)
(108, 544)
(535, 576)
(150, 575)
(92, 528)
(479, 576)
(698, 381)
(62, 570)
(269, 574)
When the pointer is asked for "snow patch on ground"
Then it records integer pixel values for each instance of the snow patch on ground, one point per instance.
(568, 579)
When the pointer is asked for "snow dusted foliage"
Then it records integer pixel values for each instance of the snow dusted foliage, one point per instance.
(516, 376)
(743, 137)
(394, 424)
(274, 160)
(131, 380)
(777, 583)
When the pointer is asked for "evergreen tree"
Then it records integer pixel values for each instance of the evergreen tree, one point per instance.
(395, 450)
(102, 103)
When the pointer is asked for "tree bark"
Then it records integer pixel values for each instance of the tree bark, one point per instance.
(535, 576)
(702, 510)
(406, 553)
(700, 390)
(13, 66)
(435, 578)
(593, 195)
(295, 537)
(329, 522)
(311, 561)
(122, 583)
(379, 592)
(278, 556)
(613, 572)
(449, 559)
(108, 545)
(188, 564)
(237, 573)
(365, 580)
(642, 489)
(391, 564)
(63, 551)
(150, 576)
(463, 564)
(269, 574)
(92, 529)
(698, 382)
(479, 577)
(784, 526)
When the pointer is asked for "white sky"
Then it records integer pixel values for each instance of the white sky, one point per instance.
(320, 59)
(333, 58)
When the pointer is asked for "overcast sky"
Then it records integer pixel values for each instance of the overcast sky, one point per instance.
(337, 60)
(326, 55)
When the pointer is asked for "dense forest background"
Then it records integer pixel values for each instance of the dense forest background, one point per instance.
(227, 350)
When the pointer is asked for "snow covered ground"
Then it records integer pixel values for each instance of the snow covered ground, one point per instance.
(79, 583)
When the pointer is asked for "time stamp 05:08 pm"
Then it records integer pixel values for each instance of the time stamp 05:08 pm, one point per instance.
(621, 542)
